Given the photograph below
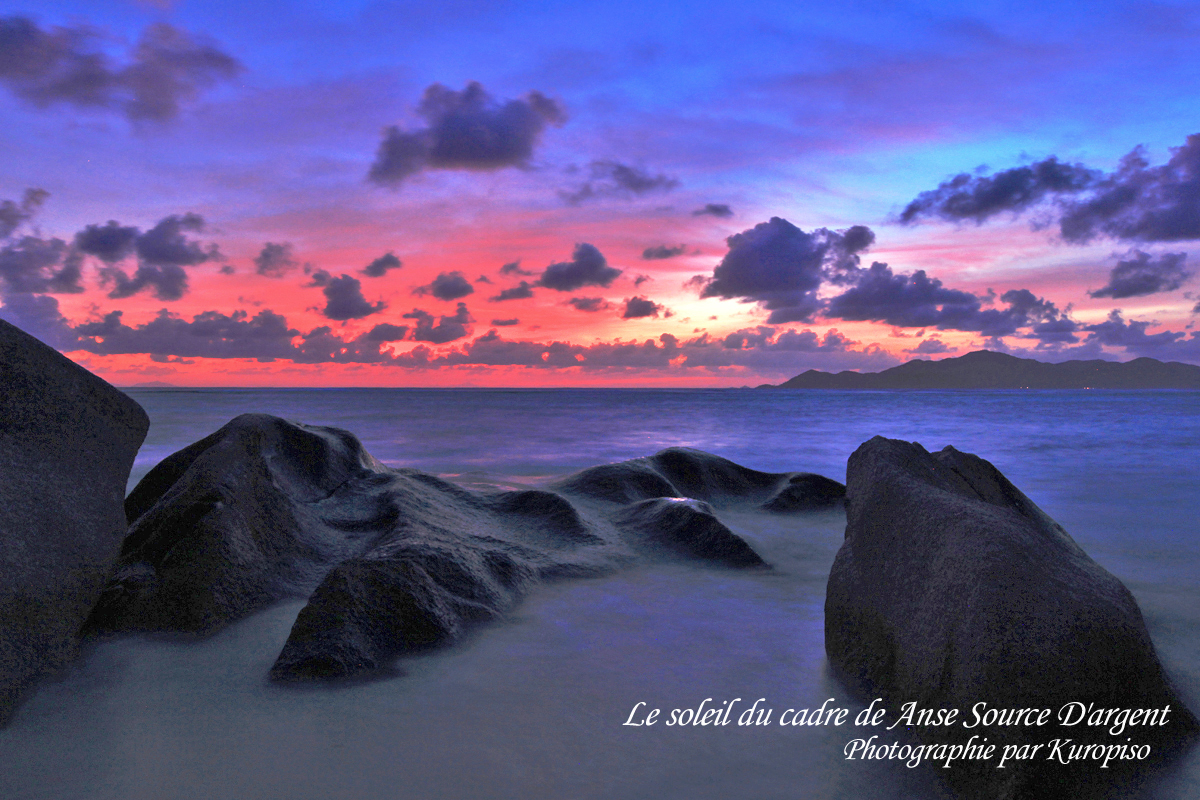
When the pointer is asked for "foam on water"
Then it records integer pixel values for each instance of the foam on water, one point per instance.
(533, 707)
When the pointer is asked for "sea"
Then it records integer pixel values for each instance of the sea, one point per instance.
(535, 706)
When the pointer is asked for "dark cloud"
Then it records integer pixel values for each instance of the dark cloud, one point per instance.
(1026, 311)
(1142, 203)
(1137, 202)
(465, 130)
(322, 345)
(781, 267)
(1049, 352)
(649, 354)
(39, 316)
(918, 301)
(379, 267)
(386, 332)
(168, 282)
(446, 330)
(640, 279)
(484, 279)
(227, 269)
(264, 337)
(719, 210)
(748, 338)
(855, 240)
(514, 268)
(169, 68)
(32, 265)
(589, 304)
(1115, 331)
(167, 244)
(662, 251)
(521, 291)
(275, 260)
(344, 300)
(807, 341)
(587, 267)
(111, 242)
(319, 277)
(638, 307)
(978, 197)
(492, 350)
(12, 215)
(1140, 275)
(166, 69)
(611, 178)
(1055, 331)
(785, 353)
(909, 301)
(764, 338)
(504, 323)
(447, 286)
(400, 155)
(931, 346)
(163, 252)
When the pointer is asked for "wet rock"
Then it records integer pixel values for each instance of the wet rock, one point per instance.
(685, 472)
(67, 443)
(253, 513)
(805, 491)
(369, 611)
(689, 528)
(953, 588)
(394, 560)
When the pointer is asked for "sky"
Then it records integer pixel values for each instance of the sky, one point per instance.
(650, 194)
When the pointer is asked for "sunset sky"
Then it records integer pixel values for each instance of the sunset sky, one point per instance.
(575, 194)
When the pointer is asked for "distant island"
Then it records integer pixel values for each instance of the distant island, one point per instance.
(985, 369)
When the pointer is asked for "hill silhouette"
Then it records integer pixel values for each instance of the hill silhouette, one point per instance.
(985, 369)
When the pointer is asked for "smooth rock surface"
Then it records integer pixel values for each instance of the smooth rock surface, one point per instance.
(688, 528)
(953, 588)
(396, 560)
(67, 443)
(685, 472)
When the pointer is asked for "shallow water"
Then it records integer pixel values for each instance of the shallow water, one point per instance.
(533, 707)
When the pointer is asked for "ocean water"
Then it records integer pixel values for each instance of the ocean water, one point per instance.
(533, 707)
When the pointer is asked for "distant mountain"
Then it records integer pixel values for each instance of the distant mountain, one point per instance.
(984, 369)
(153, 385)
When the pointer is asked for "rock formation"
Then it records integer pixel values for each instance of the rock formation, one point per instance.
(396, 560)
(952, 588)
(67, 443)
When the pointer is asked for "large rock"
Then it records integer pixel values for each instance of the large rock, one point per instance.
(256, 512)
(952, 588)
(395, 560)
(67, 443)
